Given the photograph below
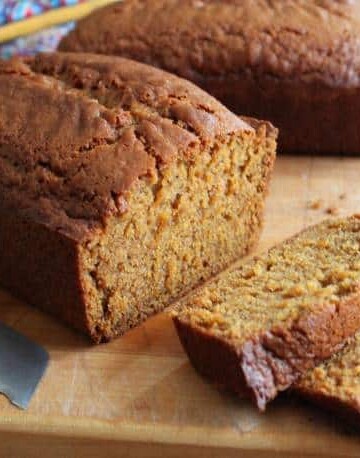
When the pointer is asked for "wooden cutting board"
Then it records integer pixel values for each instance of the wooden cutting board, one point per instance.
(139, 397)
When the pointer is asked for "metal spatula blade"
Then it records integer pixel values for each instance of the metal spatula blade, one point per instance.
(22, 364)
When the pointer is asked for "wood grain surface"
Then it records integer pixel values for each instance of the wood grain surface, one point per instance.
(139, 397)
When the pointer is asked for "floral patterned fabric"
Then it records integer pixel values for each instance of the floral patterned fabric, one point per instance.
(16, 10)
(32, 44)
(47, 40)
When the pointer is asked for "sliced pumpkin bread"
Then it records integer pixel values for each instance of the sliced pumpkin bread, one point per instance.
(257, 328)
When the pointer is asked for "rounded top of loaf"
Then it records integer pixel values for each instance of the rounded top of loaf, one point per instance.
(76, 131)
(308, 40)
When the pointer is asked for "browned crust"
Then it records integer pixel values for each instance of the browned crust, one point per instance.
(271, 362)
(257, 123)
(41, 266)
(349, 411)
(298, 109)
(301, 41)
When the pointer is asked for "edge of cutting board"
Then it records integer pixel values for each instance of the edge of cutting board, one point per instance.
(73, 432)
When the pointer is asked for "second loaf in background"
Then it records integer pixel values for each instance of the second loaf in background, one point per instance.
(293, 62)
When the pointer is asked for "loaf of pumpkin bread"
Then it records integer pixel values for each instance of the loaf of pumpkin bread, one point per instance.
(260, 326)
(294, 62)
(121, 187)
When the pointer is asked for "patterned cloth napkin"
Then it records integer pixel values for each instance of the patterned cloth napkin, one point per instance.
(39, 42)
(19, 10)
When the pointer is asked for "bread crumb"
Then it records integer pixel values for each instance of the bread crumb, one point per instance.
(315, 204)
(332, 211)
(342, 196)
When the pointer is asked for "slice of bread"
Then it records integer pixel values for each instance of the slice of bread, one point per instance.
(258, 327)
(335, 384)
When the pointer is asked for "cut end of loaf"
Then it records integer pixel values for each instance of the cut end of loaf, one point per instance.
(188, 223)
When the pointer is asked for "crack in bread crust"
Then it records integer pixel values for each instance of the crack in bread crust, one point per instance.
(96, 112)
